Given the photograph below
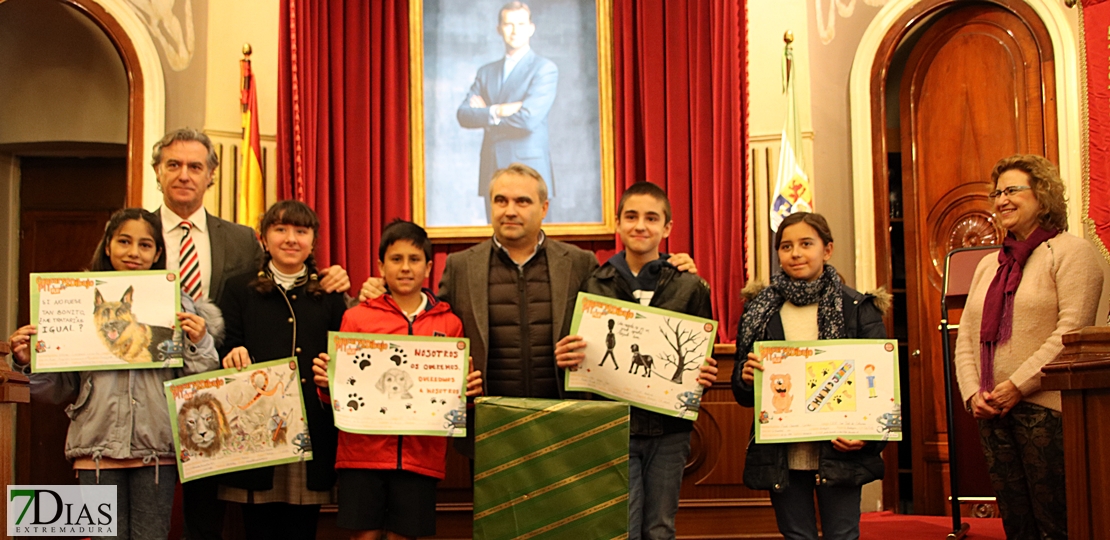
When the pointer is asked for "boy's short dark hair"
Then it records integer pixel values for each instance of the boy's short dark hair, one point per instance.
(405, 230)
(647, 188)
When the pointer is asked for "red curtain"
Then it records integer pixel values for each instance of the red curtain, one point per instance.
(343, 127)
(680, 120)
(680, 116)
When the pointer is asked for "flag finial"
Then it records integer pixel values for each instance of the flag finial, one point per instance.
(787, 37)
(247, 49)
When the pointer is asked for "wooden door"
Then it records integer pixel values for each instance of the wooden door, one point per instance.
(977, 86)
(64, 204)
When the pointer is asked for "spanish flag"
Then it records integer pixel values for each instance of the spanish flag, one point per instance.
(251, 201)
(792, 192)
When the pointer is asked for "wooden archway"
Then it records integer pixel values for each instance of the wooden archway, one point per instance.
(1053, 50)
(146, 90)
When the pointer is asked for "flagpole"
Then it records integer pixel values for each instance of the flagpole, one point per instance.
(792, 189)
(245, 75)
(250, 194)
(244, 87)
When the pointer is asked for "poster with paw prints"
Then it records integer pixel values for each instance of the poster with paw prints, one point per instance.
(384, 384)
(642, 355)
(233, 420)
(821, 390)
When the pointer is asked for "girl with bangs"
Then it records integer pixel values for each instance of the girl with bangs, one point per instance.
(276, 312)
(119, 432)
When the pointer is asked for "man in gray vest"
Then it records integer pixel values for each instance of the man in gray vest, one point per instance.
(515, 292)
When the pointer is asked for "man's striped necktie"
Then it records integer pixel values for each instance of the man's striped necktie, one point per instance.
(189, 263)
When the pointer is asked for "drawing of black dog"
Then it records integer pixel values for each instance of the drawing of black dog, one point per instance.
(640, 360)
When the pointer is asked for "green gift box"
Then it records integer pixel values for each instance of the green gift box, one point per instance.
(548, 468)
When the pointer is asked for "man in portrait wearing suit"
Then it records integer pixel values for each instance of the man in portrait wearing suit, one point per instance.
(207, 251)
(509, 100)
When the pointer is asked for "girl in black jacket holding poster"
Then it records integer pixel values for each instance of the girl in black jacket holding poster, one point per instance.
(281, 311)
(807, 301)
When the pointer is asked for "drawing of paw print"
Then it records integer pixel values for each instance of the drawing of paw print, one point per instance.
(408, 406)
(383, 409)
(355, 402)
(362, 360)
(399, 358)
(351, 381)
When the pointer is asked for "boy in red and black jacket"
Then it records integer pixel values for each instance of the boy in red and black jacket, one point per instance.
(388, 482)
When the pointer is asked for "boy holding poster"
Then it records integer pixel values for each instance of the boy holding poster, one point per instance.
(658, 445)
(385, 481)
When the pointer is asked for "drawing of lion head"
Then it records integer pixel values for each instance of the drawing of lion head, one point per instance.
(202, 425)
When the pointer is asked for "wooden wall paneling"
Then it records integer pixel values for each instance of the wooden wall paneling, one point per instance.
(14, 390)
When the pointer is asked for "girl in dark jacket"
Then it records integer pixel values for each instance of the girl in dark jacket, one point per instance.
(278, 312)
(807, 301)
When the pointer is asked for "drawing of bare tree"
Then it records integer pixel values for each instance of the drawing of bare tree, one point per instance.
(684, 342)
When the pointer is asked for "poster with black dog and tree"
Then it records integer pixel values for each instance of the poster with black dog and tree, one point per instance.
(642, 355)
(88, 321)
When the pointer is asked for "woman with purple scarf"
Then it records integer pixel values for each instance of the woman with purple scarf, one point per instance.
(1044, 283)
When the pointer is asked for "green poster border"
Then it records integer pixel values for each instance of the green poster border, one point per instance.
(632, 306)
(219, 374)
(757, 348)
(409, 339)
(110, 275)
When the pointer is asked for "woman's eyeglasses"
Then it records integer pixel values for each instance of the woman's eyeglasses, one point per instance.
(1010, 192)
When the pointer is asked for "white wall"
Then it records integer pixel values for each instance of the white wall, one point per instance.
(230, 25)
(62, 80)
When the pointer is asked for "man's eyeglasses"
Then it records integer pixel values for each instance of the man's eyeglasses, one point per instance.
(1010, 192)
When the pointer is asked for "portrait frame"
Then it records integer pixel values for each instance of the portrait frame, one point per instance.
(596, 229)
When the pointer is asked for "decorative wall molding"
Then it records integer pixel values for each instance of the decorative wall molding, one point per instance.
(177, 39)
(229, 147)
(826, 17)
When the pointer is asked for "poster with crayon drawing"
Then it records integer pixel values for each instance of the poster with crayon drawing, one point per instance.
(821, 390)
(90, 321)
(231, 420)
(645, 356)
(384, 384)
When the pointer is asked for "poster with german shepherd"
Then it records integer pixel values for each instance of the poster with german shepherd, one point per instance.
(642, 355)
(89, 321)
(384, 384)
(231, 420)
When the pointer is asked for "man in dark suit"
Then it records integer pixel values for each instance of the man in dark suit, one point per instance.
(509, 100)
(208, 251)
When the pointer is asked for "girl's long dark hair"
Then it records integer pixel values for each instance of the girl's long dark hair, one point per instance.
(100, 260)
(297, 214)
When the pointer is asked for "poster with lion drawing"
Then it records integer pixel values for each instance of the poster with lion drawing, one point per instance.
(385, 384)
(821, 390)
(642, 355)
(231, 420)
(90, 321)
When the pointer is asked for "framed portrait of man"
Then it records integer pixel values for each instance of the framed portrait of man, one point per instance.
(496, 82)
